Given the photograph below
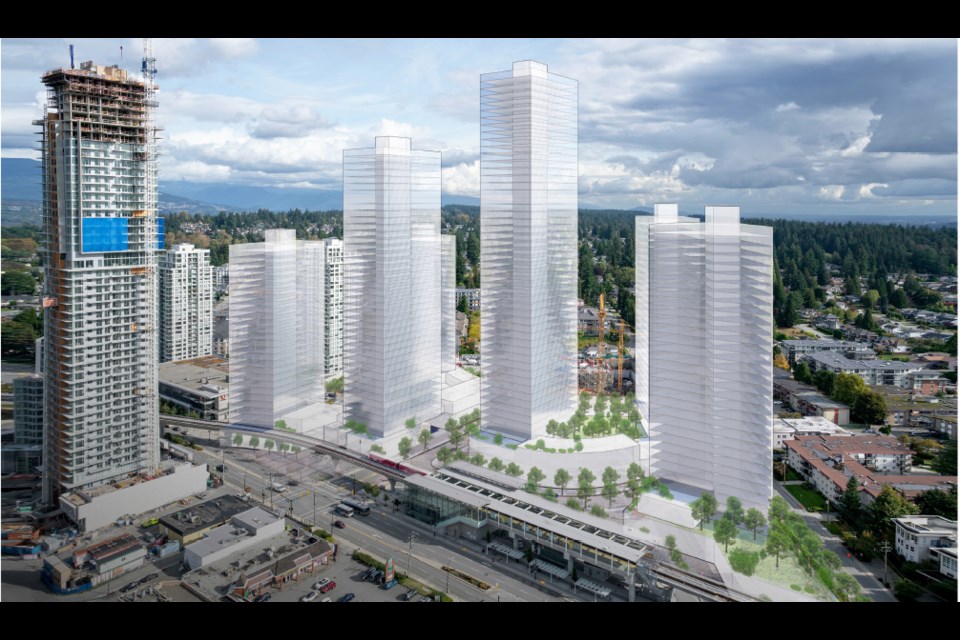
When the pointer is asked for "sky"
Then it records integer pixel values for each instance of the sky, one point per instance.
(775, 126)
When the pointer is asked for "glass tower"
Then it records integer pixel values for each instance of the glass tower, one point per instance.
(392, 288)
(528, 248)
(704, 363)
(448, 293)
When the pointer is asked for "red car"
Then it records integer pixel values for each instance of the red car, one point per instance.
(325, 585)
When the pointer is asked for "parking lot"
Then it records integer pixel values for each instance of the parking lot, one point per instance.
(346, 573)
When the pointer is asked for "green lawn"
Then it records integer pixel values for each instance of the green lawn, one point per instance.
(787, 574)
(810, 499)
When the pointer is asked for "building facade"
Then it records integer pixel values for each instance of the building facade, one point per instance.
(101, 238)
(873, 372)
(186, 303)
(528, 249)
(796, 349)
(704, 315)
(392, 284)
(276, 327)
(472, 296)
(448, 302)
(920, 536)
(333, 307)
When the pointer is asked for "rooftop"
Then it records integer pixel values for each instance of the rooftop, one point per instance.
(928, 524)
(203, 375)
(204, 515)
(244, 526)
(836, 360)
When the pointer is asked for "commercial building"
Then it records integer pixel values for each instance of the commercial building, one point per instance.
(528, 249)
(448, 302)
(200, 385)
(191, 524)
(874, 372)
(244, 530)
(101, 231)
(276, 327)
(919, 537)
(795, 349)
(392, 289)
(704, 370)
(333, 307)
(186, 303)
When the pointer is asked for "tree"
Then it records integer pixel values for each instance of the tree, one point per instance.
(889, 504)
(535, 475)
(280, 424)
(17, 282)
(411, 423)
(573, 504)
(456, 437)
(870, 408)
(478, 459)
(269, 444)
(561, 478)
(906, 590)
(725, 532)
(823, 381)
(847, 387)
(938, 503)
(424, 437)
(444, 455)
(585, 485)
(703, 508)
(295, 449)
(238, 439)
(850, 504)
(498, 439)
(610, 491)
(802, 373)
(946, 461)
(284, 447)
(335, 385)
(754, 520)
(450, 424)
(743, 561)
(597, 510)
(779, 510)
(404, 446)
(734, 510)
(496, 464)
(635, 472)
(254, 441)
(777, 542)
(513, 469)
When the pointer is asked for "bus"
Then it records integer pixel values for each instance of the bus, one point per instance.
(343, 510)
(357, 506)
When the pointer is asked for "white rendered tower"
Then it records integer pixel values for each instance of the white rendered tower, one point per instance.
(276, 327)
(448, 301)
(704, 363)
(528, 241)
(391, 292)
(333, 307)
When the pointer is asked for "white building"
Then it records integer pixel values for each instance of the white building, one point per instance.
(276, 327)
(392, 291)
(244, 530)
(704, 310)
(448, 302)
(873, 372)
(333, 307)
(918, 536)
(528, 248)
(221, 277)
(186, 303)
(789, 428)
(101, 235)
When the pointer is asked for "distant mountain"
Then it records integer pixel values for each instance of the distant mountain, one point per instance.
(249, 198)
(21, 179)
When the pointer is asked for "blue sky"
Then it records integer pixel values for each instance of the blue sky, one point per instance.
(776, 126)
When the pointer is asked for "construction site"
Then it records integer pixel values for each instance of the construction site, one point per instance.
(607, 367)
(101, 232)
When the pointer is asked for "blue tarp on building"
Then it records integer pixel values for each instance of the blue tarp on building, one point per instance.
(161, 233)
(105, 234)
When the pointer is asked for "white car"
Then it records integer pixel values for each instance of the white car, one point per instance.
(320, 584)
(310, 597)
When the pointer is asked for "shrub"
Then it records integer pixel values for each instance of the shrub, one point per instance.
(796, 587)
(743, 561)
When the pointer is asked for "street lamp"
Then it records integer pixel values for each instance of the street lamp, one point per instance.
(410, 550)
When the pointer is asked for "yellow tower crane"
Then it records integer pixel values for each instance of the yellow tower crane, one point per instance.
(601, 348)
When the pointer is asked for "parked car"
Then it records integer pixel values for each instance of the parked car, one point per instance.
(309, 597)
(129, 586)
(410, 595)
(326, 600)
(426, 599)
(366, 575)
(263, 597)
(339, 524)
(346, 598)
(294, 483)
(149, 523)
(148, 577)
(325, 585)
(386, 586)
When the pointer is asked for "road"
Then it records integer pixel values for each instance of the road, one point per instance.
(861, 572)
(382, 534)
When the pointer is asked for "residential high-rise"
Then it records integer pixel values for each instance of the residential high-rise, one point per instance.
(528, 249)
(391, 238)
(27, 423)
(333, 307)
(101, 238)
(276, 327)
(186, 303)
(704, 319)
(448, 302)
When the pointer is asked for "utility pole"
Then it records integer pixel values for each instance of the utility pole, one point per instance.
(410, 551)
(886, 548)
(314, 507)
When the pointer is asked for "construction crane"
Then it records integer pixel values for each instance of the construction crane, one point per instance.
(601, 347)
